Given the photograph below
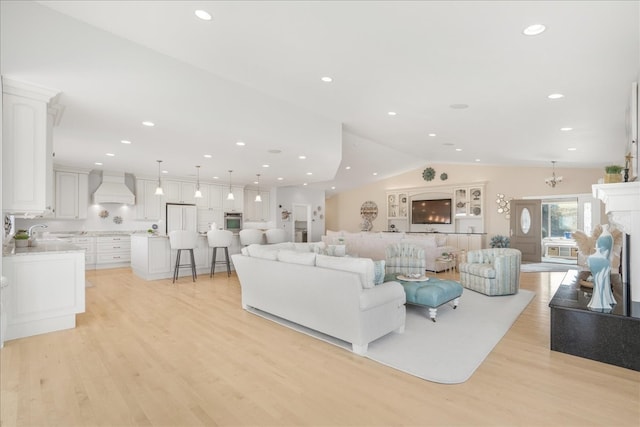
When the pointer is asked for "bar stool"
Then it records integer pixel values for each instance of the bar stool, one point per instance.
(250, 236)
(219, 239)
(181, 240)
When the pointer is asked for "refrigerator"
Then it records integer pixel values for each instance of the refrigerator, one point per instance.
(181, 217)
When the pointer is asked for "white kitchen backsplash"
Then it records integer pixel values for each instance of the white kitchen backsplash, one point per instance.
(119, 218)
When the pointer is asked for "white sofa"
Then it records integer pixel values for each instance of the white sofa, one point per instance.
(333, 295)
(373, 245)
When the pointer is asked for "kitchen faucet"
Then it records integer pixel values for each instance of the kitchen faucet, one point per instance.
(30, 232)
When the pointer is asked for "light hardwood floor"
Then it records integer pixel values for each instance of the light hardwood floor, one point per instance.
(153, 353)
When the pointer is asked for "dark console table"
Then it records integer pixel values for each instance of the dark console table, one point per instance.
(609, 336)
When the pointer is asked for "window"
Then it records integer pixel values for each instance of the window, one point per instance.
(559, 216)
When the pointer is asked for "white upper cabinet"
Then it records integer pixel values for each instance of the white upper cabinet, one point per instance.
(72, 195)
(257, 211)
(179, 192)
(27, 155)
(235, 205)
(148, 205)
(211, 196)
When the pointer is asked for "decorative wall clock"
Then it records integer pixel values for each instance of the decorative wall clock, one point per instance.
(428, 174)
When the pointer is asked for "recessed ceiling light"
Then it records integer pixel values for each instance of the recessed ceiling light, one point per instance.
(302, 157)
(534, 30)
(571, 149)
(347, 167)
(458, 149)
(333, 187)
(255, 182)
(459, 106)
(98, 163)
(280, 178)
(208, 156)
(204, 15)
(240, 144)
(392, 113)
(216, 177)
(148, 123)
(555, 96)
(477, 160)
(309, 173)
(110, 154)
(326, 79)
(567, 129)
(165, 171)
(265, 166)
(375, 173)
(304, 183)
(124, 141)
(432, 134)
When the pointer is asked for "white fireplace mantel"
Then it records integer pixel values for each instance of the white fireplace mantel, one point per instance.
(622, 205)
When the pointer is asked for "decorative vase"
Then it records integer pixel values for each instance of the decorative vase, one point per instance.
(600, 265)
(611, 178)
(22, 243)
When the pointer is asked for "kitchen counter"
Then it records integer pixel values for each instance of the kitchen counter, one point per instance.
(42, 247)
(152, 257)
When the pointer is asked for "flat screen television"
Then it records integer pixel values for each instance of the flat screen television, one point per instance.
(435, 211)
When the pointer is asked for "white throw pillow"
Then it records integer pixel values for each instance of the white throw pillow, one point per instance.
(362, 266)
(296, 257)
(263, 251)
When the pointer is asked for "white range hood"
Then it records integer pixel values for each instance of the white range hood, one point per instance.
(113, 190)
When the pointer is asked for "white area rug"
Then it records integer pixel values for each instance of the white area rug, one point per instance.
(447, 351)
(540, 267)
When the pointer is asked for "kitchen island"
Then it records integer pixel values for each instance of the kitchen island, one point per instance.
(46, 288)
(152, 257)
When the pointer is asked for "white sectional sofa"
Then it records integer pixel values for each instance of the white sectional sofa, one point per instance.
(333, 295)
(372, 245)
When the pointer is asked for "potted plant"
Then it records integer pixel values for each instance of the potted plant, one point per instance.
(613, 174)
(22, 239)
(499, 241)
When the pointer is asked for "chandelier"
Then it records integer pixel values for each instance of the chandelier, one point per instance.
(553, 179)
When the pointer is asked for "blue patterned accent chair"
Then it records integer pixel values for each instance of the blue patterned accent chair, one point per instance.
(404, 258)
(494, 271)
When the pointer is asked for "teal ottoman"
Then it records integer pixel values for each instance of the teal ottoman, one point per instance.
(431, 293)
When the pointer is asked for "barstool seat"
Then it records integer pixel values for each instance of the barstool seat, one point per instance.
(181, 240)
(219, 239)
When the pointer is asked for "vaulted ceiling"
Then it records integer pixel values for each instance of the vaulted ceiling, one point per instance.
(465, 84)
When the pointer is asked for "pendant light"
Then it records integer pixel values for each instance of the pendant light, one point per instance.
(198, 194)
(159, 191)
(230, 195)
(258, 198)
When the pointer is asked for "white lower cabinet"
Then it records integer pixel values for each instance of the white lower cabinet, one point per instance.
(152, 258)
(466, 242)
(45, 292)
(89, 246)
(113, 251)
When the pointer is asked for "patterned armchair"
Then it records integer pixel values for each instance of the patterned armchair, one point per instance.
(493, 271)
(404, 258)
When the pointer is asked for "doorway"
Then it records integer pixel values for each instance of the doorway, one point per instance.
(301, 222)
(525, 228)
